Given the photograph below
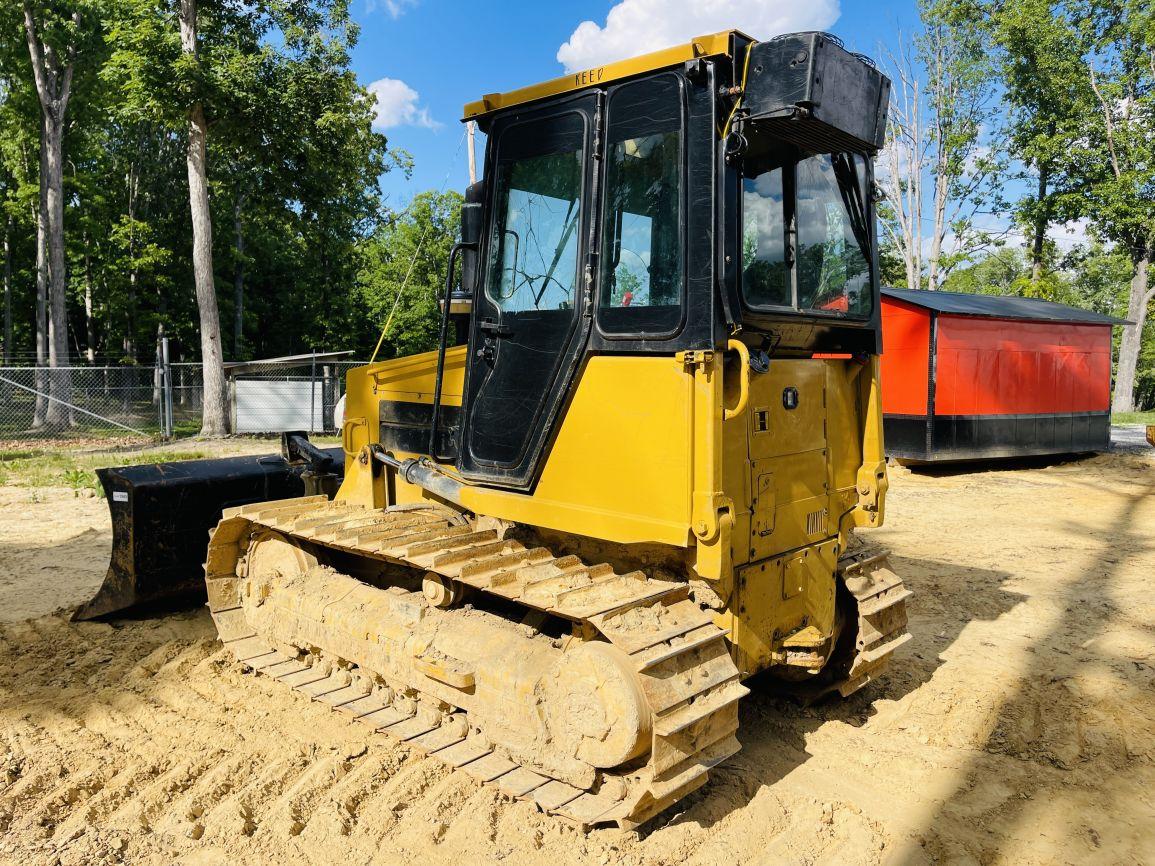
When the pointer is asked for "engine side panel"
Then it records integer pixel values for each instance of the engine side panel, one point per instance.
(619, 468)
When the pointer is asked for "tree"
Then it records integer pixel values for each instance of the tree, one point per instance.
(942, 99)
(52, 37)
(19, 193)
(1002, 272)
(214, 419)
(1117, 155)
(289, 150)
(403, 276)
(265, 96)
(1045, 86)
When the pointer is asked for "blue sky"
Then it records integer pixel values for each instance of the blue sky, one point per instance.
(426, 58)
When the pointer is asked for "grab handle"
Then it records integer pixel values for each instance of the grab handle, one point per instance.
(743, 380)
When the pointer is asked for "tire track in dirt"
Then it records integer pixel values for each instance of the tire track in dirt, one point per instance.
(175, 741)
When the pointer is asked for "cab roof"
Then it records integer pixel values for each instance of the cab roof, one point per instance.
(712, 45)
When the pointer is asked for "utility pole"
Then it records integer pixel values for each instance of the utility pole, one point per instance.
(470, 126)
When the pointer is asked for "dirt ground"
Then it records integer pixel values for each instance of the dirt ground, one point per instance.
(1018, 726)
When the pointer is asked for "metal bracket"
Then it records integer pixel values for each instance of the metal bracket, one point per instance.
(693, 359)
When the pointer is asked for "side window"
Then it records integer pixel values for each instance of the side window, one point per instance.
(765, 273)
(809, 216)
(533, 263)
(833, 269)
(642, 275)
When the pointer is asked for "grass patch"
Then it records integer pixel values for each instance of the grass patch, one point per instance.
(1133, 417)
(53, 464)
(78, 471)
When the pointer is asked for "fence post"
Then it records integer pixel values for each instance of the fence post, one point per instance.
(313, 394)
(166, 393)
(158, 386)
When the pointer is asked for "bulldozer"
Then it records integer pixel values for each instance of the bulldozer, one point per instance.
(628, 479)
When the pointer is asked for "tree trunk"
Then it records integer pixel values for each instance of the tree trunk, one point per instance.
(89, 321)
(238, 276)
(941, 198)
(8, 290)
(130, 307)
(1140, 296)
(53, 80)
(40, 382)
(213, 419)
(58, 412)
(1042, 221)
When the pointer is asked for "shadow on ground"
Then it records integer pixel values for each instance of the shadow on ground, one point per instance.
(774, 727)
(1062, 733)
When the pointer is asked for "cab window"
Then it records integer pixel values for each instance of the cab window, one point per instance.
(642, 280)
(833, 268)
(538, 207)
(806, 236)
(765, 274)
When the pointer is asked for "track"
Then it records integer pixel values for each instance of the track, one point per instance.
(679, 657)
(878, 628)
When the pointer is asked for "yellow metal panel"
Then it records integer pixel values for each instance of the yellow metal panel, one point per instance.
(619, 469)
(788, 431)
(777, 597)
(872, 481)
(843, 424)
(701, 46)
(797, 491)
(413, 378)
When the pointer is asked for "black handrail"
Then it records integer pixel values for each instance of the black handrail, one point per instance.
(442, 338)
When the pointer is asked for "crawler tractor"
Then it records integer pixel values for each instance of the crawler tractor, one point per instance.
(628, 479)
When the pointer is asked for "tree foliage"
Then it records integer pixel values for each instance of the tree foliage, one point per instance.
(941, 169)
(402, 278)
(293, 167)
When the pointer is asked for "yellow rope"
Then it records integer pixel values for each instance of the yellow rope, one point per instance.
(416, 253)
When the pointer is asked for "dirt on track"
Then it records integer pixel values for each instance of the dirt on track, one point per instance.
(1018, 726)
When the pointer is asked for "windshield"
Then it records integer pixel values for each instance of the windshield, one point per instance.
(806, 236)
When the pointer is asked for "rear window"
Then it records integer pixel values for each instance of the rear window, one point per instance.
(806, 237)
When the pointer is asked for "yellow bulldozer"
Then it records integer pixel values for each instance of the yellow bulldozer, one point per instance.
(561, 545)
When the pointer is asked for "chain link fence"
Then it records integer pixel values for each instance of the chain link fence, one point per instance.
(166, 400)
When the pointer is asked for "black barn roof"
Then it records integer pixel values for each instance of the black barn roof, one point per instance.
(999, 307)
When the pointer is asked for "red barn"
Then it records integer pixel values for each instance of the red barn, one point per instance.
(977, 376)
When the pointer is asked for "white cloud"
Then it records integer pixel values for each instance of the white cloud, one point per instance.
(397, 105)
(394, 8)
(634, 27)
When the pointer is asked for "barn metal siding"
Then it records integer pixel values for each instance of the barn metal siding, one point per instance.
(999, 367)
(985, 386)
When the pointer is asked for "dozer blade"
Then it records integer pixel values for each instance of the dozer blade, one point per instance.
(162, 514)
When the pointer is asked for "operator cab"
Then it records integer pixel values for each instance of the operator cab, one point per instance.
(661, 205)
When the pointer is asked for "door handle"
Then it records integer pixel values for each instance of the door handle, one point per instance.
(487, 351)
(493, 329)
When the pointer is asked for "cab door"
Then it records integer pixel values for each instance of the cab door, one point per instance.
(529, 326)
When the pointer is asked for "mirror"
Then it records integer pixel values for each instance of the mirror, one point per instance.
(472, 225)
